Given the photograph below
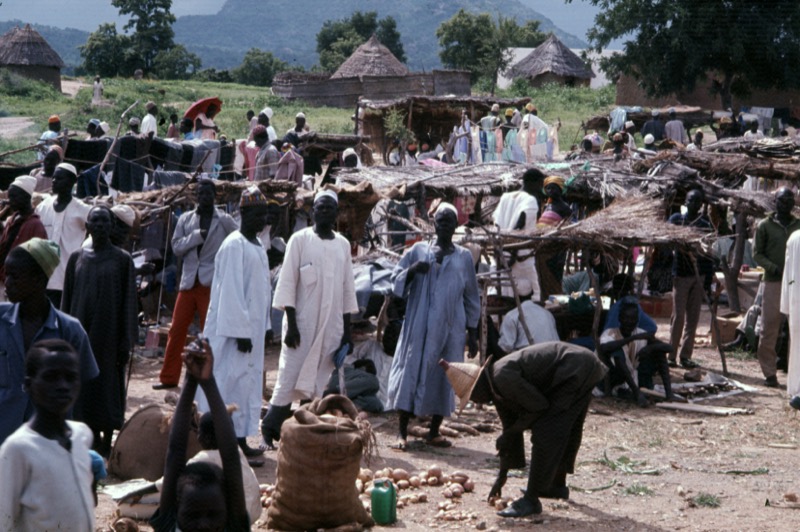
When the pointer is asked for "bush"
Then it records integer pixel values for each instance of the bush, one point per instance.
(12, 84)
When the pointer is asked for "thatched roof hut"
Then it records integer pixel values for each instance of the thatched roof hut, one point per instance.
(371, 59)
(25, 52)
(552, 62)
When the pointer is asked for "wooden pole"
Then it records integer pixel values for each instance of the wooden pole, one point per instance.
(713, 310)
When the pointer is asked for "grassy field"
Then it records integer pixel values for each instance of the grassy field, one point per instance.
(21, 97)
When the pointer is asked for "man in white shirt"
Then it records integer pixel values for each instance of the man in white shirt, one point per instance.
(64, 219)
(753, 133)
(149, 124)
(540, 322)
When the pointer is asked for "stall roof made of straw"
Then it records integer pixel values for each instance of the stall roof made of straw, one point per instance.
(371, 59)
(487, 179)
(25, 47)
(478, 103)
(552, 57)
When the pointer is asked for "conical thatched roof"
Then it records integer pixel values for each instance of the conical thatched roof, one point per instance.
(25, 47)
(371, 59)
(552, 57)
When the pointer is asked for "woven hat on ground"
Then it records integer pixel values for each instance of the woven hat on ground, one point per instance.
(463, 377)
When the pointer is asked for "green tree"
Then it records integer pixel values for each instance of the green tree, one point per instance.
(478, 43)
(258, 68)
(175, 63)
(740, 45)
(151, 22)
(106, 52)
(338, 39)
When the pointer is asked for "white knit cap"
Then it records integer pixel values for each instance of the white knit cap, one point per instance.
(266, 111)
(69, 168)
(125, 213)
(300, 115)
(326, 194)
(444, 206)
(649, 139)
(26, 183)
(105, 127)
(348, 152)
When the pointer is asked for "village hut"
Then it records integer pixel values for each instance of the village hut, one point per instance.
(553, 62)
(25, 52)
(371, 59)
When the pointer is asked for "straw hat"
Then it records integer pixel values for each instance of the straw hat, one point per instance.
(463, 377)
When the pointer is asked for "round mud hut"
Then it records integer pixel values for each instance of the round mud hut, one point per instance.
(371, 59)
(552, 62)
(25, 52)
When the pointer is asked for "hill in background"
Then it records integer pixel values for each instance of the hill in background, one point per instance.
(288, 28)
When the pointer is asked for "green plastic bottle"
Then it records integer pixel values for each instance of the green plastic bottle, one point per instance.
(384, 502)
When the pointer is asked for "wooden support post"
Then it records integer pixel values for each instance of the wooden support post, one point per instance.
(713, 310)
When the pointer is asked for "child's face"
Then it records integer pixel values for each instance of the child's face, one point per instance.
(56, 385)
(202, 509)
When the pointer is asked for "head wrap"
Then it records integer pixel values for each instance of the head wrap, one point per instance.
(266, 111)
(105, 127)
(655, 112)
(672, 110)
(556, 180)
(259, 131)
(530, 107)
(150, 105)
(45, 252)
(252, 197)
(300, 115)
(326, 193)
(649, 139)
(496, 108)
(26, 183)
(134, 121)
(95, 122)
(348, 152)
(67, 168)
(125, 213)
(53, 119)
(58, 149)
(629, 124)
(444, 206)
(509, 112)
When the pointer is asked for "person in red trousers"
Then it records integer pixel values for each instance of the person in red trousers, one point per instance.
(198, 235)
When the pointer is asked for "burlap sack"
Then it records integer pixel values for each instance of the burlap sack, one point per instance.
(140, 450)
(318, 463)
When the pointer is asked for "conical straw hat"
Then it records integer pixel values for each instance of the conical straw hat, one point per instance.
(462, 376)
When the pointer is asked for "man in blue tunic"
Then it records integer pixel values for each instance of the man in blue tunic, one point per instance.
(28, 318)
(438, 281)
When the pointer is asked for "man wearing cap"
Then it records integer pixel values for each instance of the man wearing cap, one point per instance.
(28, 318)
(91, 129)
(196, 241)
(654, 127)
(546, 388)
(263, 119)
(316, 290)
(23, 225)
(49, 137)
(293, 134)
(64, 219)
(133, 126)
(238, 318)
(488, 133)
(149, 124)
(675, 130)
(108, 313)
(630, 130)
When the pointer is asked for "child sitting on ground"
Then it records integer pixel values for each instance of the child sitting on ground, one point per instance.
(633, 354)
(201, 496)
(45, 467)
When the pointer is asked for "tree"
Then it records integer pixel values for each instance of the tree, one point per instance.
(152, 22)
(106, 52)
(477, 43)
(258, 68)
(740, 45)
(175, 63)
(338, 39)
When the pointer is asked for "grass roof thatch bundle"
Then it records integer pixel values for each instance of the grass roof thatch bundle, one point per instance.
(25, 47)
(552, 57)
(371, 59)
(227, 192)
(431, 105)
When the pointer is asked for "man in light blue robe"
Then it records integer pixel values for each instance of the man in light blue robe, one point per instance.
(438, 281)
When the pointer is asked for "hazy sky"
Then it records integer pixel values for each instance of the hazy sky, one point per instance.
(575, 18)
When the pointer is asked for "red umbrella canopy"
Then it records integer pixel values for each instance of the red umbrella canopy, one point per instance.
(201, 106)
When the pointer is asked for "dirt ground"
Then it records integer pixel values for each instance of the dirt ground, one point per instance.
(639, 469)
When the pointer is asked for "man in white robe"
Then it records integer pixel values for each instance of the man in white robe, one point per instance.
(238, 318)
(790, 305)
(316, 289)
(519, 210)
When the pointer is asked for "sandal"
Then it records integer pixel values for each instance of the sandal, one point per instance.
(438, 441)
(399, 445)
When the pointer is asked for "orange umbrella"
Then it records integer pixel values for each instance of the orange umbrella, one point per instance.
(201, 106)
